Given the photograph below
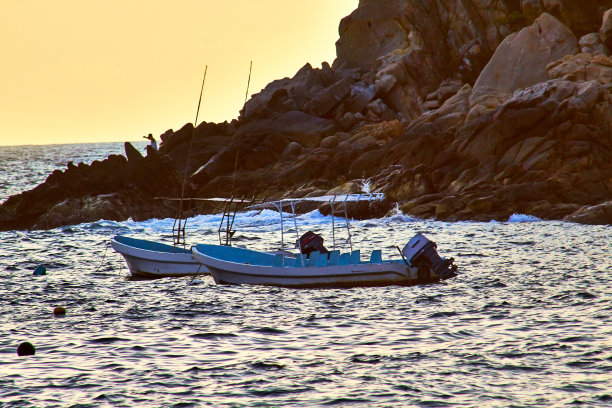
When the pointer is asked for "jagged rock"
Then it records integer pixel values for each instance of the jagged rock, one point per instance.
(131, 153)
(520, 61)
(87, 209)
(535, 111)
(349, 187)
(582, 67)
(359, 210)
(457, 110)
(448, 206)
(88, 192)
(326, 99)
(447, 89)
(315, 91)
(300, 127)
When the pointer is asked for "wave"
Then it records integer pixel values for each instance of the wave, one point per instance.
(523, 218)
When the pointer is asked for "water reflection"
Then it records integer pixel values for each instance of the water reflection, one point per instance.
(526, 322)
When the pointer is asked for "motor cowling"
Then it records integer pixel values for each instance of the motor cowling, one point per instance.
(422, 254)
(310, 242)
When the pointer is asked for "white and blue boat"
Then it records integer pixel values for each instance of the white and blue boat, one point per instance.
(155, 259)
(314, 266)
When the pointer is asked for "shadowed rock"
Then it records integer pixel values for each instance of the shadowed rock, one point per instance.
(470, 110)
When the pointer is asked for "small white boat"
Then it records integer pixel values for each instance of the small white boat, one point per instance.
(317, 267)
(154, 259)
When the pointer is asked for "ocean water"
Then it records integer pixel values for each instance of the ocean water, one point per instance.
(527, 323)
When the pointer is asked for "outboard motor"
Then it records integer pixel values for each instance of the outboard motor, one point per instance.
(421, 253)
(310, 242)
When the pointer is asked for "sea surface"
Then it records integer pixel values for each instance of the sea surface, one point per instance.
(527, 323)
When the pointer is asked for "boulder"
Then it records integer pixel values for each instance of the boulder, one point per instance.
(300, 127)
(87, 209)
(600, 214)
(591, 43)
(520, 61)
(448, 206)
(330, 142)
(350, 187)
(370, 32)
(605, 32)
(538, 111)
(293, 149)
(582, 67)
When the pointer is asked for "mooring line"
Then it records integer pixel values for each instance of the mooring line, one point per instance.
(103, 257)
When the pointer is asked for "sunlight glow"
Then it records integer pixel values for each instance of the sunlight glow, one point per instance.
(93, 71)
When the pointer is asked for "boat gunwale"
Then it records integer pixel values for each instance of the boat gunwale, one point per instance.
(315, 272)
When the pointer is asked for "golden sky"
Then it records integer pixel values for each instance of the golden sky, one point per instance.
(114, 70)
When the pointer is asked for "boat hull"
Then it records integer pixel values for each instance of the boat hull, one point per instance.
(150, 259)
(356, 275)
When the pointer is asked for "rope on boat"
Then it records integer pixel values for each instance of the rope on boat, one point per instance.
(193, 278)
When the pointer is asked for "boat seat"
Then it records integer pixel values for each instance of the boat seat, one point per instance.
(355, 257)
(278, 260)
(376, 256)
(334, 258)
(261, 259)
(322, 260)
(313, 258)
(345, 259)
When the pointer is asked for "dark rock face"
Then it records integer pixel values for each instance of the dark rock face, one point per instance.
(470, 110)
(113, 189)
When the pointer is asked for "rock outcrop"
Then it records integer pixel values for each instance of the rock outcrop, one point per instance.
(520, 61)
(470, 110)
(113, 189)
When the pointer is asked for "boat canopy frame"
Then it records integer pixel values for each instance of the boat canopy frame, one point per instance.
(332, 200)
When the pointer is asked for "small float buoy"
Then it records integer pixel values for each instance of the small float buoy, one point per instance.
(59, 311)
(40, 270)
(26, 349)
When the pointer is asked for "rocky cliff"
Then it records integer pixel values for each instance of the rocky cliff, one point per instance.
(458, 110)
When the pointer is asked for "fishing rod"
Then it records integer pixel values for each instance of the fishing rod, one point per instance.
(229, 214)
(178, 231)
(246, 95)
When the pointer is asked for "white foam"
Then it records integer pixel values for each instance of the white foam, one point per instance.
(399, 216)
(523, 218)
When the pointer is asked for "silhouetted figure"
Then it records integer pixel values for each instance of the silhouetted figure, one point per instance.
(153, 143)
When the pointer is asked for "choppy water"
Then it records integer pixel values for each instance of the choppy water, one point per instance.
(528, 323)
